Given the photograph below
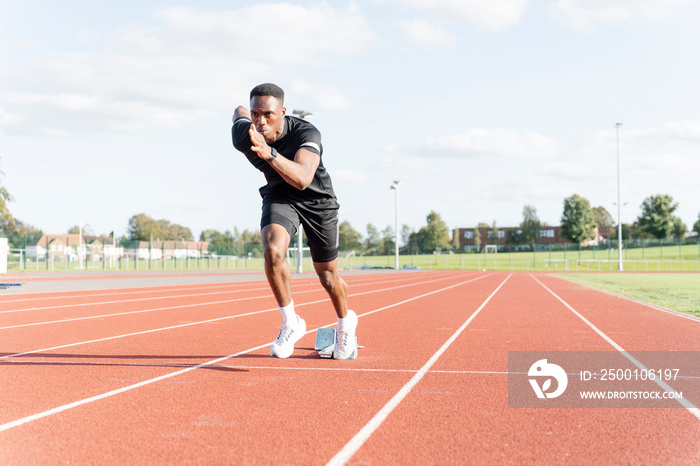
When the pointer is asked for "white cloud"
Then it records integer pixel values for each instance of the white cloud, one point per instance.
(320, 96)
(349, 176)
(196, 63)
(492, 14)
(685, 130)
(573, 170)
(424, 33)
(671, 163)
(587, 14)
(478, 141)
(7, 118)
(281, 33)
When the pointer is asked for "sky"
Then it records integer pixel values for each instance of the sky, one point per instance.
(478, 107)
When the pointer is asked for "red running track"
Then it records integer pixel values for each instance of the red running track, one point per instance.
(182, 374)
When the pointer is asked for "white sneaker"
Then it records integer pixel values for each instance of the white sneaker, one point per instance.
(346, 341)
(283, 346)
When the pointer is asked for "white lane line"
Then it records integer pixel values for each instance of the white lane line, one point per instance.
(210, 320)
(163, 296)
(144, 332)
(123, 291)
(238, 289)
(102, 396)
(143, 311)
(275, 368)
(243, 367)
(210, 303)
(366, 432)
(683, 401)
(134, 300)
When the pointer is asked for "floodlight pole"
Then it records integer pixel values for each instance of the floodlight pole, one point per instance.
(300, 232)
(619, 205)
(395, 187)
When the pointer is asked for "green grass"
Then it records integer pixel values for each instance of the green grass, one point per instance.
(677, 291)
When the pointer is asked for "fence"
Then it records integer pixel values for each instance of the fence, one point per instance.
(18, 262)
(638, 255)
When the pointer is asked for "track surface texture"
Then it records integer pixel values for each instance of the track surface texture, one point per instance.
(156, 369)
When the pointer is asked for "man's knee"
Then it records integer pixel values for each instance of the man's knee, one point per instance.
(275, 243)
(275, 253)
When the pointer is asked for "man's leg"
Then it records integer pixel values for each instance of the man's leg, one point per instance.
(345, 338)
(275, 243)
(335, 286)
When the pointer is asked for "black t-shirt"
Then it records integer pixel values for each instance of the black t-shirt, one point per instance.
(297, 134)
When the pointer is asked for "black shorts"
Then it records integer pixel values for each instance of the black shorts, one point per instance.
(319, 219)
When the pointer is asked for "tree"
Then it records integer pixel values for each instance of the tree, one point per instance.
(18, 232)
(577, 220)
(221, 243)
(86, 230)
(656, 218)
(530, 225)
(477, 238)
(678, 228)
(349, 238)
(144, 228)
(494, 233)
(372, 240)
(696, 225)
(602, 217)
(437, 235)
(414, 242)
(5, 198)
(406, 236)
(141, 227)
(514, 237)
(178, 233)
(386, 241)
(625, 233)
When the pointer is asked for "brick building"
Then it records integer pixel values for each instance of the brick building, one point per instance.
(511, 236)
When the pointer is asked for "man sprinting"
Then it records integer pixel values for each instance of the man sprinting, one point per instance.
(288, 151)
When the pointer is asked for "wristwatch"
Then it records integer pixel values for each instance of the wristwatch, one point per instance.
(273, 154)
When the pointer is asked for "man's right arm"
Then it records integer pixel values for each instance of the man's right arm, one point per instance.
(241, 112)
(241, 138)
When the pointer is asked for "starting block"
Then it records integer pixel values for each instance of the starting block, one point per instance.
(325, 343)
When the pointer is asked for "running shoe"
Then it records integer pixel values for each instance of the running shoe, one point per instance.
(283, 346)
(346, 341)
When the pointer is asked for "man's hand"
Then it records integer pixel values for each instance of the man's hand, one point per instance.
(259, 146)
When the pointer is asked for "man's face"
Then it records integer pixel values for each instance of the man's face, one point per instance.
(267, 114)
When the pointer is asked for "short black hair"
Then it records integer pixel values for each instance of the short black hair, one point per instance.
(268, 90)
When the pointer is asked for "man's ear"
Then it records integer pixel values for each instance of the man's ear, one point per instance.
(284, 111)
